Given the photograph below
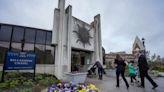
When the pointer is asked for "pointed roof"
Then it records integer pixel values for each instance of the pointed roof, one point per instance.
(138, 45)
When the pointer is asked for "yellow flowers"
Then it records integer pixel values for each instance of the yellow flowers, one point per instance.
(92, 86)
(89, 88)
(70, 87)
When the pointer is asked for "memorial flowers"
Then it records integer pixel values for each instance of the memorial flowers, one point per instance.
(70, 87)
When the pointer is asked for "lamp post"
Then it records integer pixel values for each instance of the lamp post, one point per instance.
(143, 41)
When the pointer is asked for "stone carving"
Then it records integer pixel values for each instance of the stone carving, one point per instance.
(83, 35)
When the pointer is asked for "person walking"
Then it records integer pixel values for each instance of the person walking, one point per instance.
(132, 71)
(143, 69)
(120, 69)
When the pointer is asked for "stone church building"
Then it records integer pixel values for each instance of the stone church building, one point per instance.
(137, 45)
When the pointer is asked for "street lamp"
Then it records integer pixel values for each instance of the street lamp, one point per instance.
(143, 41)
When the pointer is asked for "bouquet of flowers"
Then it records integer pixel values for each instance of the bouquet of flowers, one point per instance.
(70, 87)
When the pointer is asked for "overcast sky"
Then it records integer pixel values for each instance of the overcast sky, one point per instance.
(121, 20)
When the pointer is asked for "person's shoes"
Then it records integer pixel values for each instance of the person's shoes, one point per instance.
(117, 86)
(127, 87)
(155, 86)
(137, 81)
(100, 78)
(132, 83)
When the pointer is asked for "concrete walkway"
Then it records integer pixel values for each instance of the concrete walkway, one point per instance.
(108, 84)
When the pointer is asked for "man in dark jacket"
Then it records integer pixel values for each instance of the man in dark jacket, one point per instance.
(143, 69)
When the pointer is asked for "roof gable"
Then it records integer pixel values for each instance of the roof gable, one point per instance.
(138, 44)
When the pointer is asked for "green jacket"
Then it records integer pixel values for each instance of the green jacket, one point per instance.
(131, 69)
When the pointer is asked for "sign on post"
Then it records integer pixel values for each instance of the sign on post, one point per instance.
(20, 61)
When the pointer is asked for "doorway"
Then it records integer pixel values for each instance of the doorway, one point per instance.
(80, 60)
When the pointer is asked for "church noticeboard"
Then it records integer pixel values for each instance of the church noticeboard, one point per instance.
(20, 60)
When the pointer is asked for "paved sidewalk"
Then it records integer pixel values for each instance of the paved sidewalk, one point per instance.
(108, 84)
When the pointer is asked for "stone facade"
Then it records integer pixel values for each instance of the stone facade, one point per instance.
(138, 45)
(70, 33)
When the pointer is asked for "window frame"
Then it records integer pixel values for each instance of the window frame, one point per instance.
(7, 40)
(13, 43)
(13, 34)
(26, 30)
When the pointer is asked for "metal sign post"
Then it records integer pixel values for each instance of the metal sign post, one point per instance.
(3, 71)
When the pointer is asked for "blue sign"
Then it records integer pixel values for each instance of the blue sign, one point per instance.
(20, 60)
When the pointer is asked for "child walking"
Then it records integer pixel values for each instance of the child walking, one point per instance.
(132, 71)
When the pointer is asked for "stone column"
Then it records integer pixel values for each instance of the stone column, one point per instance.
(98, 43)
(59, 47)
(100, 40)
(69, 35)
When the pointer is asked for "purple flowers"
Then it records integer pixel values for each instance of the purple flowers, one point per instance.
(70, 87)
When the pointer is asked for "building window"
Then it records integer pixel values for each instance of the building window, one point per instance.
(41, 37)
(35, 40)
(49, 38)
(28, 47)
(40, 53)
(16, 47)
(5, 33)
(49, 55)
(4, 46)
(18, 34)
(29, 35)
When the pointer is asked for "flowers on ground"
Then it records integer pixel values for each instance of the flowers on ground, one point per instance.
(70, 87)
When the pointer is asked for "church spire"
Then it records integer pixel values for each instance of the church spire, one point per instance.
(138, 45)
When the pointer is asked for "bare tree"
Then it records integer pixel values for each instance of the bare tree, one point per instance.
(153, 57)
(162, 59)
(158, 58)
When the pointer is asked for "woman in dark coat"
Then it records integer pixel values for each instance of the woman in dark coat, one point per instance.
(120, 69)
(100, 69)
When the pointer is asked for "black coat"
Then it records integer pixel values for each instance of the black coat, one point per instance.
(120, 65)
(98, 65)
(142, 63)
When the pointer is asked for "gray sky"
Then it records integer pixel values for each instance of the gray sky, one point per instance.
(121, 20)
